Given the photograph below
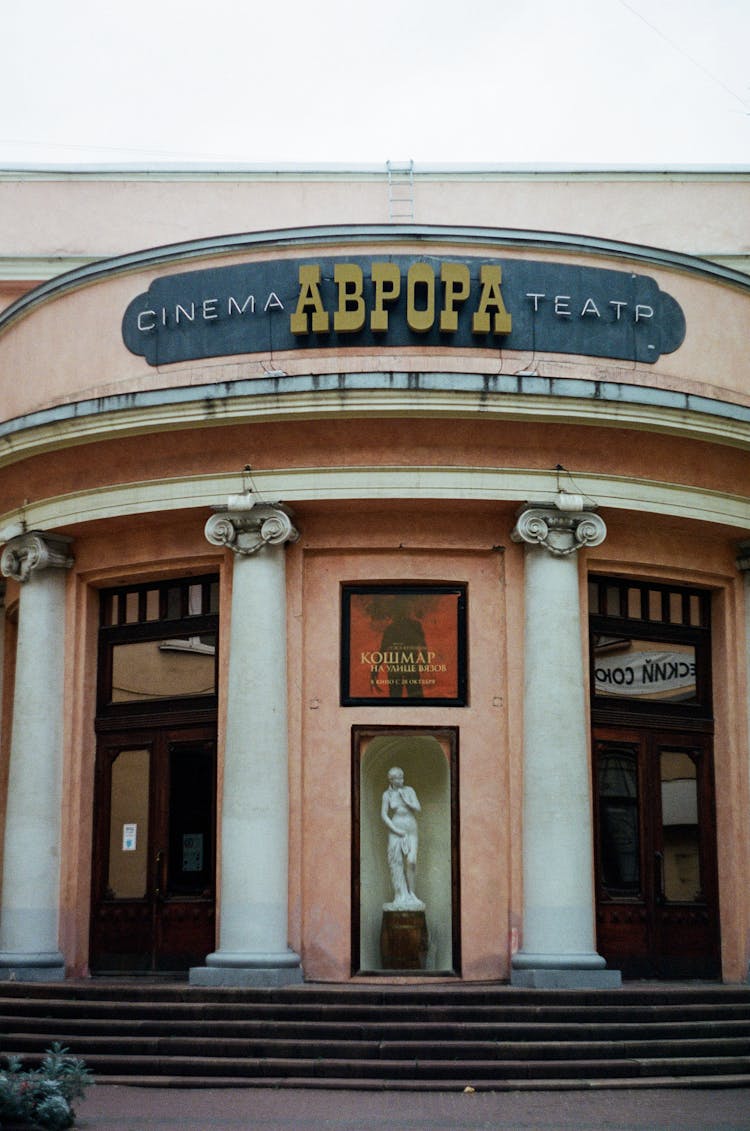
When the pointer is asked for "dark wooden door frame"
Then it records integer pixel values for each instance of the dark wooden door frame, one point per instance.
(638, 933)
(159, 920)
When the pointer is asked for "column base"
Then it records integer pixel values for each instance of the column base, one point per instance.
(566, 979)
(15, 966)
(225, 968)
(563, 971)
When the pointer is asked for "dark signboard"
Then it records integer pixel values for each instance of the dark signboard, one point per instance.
(333, 303)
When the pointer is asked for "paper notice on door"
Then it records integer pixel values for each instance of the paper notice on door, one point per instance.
(129, 837)
(192, 852)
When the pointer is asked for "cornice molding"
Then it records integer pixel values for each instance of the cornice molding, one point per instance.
(449, 484)
(384, 394)
(26, 268)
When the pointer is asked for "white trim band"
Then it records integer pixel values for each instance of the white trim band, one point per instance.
(378, 483)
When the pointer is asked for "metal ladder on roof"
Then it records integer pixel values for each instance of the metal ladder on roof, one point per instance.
(400, 192)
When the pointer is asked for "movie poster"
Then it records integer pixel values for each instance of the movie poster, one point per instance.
(404, 645)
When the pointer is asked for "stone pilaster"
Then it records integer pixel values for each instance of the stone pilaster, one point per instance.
(253, 917)
(2, 656)
(743, 565)
(558, 941)
(29, 915)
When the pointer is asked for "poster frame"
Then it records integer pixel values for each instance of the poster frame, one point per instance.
(454, 597)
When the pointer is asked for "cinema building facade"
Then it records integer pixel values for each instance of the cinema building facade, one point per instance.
(463, 494)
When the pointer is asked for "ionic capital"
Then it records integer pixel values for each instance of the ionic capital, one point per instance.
(33, 552)
(743, 557)
(560, 532)
(244, 532)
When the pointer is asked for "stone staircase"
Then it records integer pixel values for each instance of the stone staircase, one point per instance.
(436, 1037)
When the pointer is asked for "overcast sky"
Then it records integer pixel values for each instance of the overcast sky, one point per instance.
(632, 82)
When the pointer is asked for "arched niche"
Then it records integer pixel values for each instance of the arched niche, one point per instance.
(429, 760)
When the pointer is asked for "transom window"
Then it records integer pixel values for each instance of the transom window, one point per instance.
(158, 646)
(163, 600)
(650, 646)
(649, 602)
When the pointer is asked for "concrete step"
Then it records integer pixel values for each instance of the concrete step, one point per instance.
(386, 1037)
(70, 1027)
(394, 1050)
(456, 994)
(470, 1070)
(446, 1084)
(385, 1014)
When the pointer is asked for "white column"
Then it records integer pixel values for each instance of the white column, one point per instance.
(29, 916)
(558, 939)
(253, 923)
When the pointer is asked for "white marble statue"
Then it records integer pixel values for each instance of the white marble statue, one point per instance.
(398, 810)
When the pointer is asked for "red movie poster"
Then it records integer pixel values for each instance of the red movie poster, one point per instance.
(404, 645)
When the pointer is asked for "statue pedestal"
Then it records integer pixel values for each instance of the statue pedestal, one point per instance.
(403, 940)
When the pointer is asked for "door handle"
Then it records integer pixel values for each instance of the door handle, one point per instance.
(160, 884)
(659, 861)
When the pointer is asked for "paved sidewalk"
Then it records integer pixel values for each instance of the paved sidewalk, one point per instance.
(109, 1108)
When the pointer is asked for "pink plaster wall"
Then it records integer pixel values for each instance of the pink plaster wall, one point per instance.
(399, 541)
(375, 442)
(405, 546)
(70, 348)
(89, 215)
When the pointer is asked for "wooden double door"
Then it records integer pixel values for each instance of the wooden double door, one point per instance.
(153, 905)
(657, 904)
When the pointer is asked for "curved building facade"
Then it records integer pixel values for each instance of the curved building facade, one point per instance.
(376, 586)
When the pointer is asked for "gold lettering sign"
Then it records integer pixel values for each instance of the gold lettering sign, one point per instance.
(309, 300)
(491, 299)
(403, 300)
(350, 314)
(386, 279)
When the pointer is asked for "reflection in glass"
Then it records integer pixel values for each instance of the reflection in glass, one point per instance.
(619, 848)
(153, 605)
(131, 608)
(679, 815)
(128, 826)
(655, 605)
(675, 608)
(190, 819)
(634, 604)
(164, 669)
(644, 670)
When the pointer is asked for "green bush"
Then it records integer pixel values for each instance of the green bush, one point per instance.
(43, 1097)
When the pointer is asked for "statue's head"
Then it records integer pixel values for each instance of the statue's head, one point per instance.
(395, 777)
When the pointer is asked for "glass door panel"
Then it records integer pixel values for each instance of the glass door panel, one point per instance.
(619, 831)
(128, 824)
(190, 869)
(680, 879)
